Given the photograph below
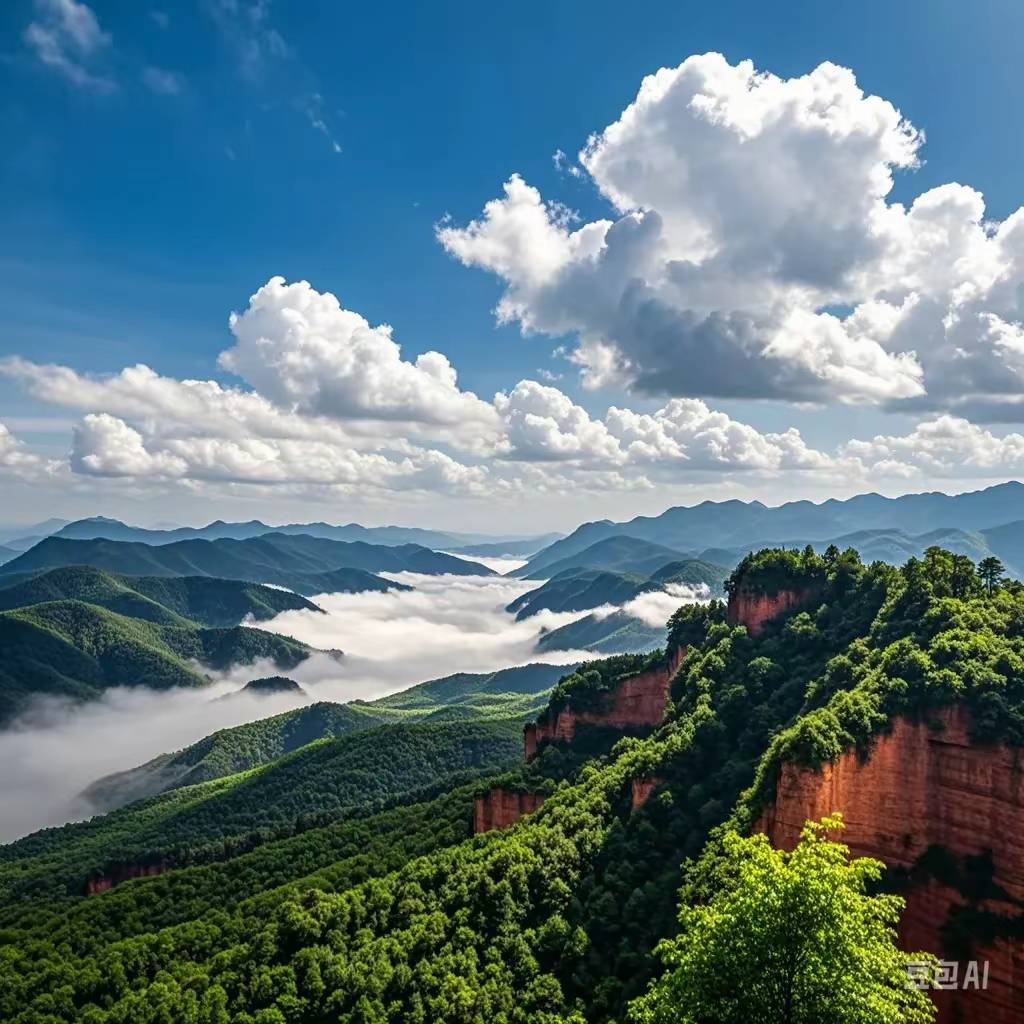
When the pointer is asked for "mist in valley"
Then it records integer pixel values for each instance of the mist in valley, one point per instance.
(390, 641)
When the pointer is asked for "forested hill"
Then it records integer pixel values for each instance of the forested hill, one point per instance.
(290, 914)
(319, 783)
(309, 565)
(170, 601)
(73, 649)
(510, 694)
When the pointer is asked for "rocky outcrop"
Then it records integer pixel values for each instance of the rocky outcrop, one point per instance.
(122, 873)
(754, 609)
(926, 784)
(642, 788)
(499, 808)
(636, 702)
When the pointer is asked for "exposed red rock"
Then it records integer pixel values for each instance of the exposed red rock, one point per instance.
(635, 702)
(124, 872)
(754, 609)
(500, 808)
(921, 786)
(642, 789)
(530, 740)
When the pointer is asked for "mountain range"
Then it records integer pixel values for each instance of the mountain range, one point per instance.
(979, 523)
(308, 565)
(103, 528)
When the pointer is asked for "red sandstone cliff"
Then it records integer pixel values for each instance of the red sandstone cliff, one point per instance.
(922, 786)
(122, 873)
(642, 789)
(635, 702)
(500, 808)
(754, 609)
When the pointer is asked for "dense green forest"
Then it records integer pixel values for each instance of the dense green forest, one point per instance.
(73, 649)
(617, 633)
(553, 920)
(167, 601)
(511, 693)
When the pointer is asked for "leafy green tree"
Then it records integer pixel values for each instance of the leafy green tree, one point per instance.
(790, 939)
(991, 571)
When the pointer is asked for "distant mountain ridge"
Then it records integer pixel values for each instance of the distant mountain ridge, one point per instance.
(308, 565)
(1005, 542)
(615, 553)
(102, 528)
(743, 525)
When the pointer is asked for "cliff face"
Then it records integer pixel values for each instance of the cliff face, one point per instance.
(635, 702)
(753, 609)
(926, 786)
(122, 873)
(642, 789)
(500, 808)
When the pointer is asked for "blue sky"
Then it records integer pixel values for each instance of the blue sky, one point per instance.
(163, 168)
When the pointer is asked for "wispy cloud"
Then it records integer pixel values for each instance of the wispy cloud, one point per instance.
(163, 82)
(66, 36)
(246, 28)
(314, 108)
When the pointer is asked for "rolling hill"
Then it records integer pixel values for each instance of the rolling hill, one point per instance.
(102, 528)
(521, 548)
(75, 650)
(511, 693)
(308, 565)
(6, 554)
(313, 785)
(617, 633)
(15, 536)
(581, 589)
(229, 751)
(614, 554)
(182, 600)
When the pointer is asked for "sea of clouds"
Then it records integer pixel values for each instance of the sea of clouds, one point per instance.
(391, 641)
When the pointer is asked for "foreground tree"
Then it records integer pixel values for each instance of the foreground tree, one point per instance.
(791, 939)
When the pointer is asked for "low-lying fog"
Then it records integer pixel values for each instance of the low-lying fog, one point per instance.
(391, 641)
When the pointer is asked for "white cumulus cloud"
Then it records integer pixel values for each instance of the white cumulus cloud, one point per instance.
(752, 252)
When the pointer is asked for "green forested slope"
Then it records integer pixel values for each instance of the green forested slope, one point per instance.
(555, 920)
(233, 750)
(508, 693)
(76, 650)
(168, 601)
(317, 784)
(617, 633)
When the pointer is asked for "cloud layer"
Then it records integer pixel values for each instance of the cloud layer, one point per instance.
(752, 252)
(391, 641)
